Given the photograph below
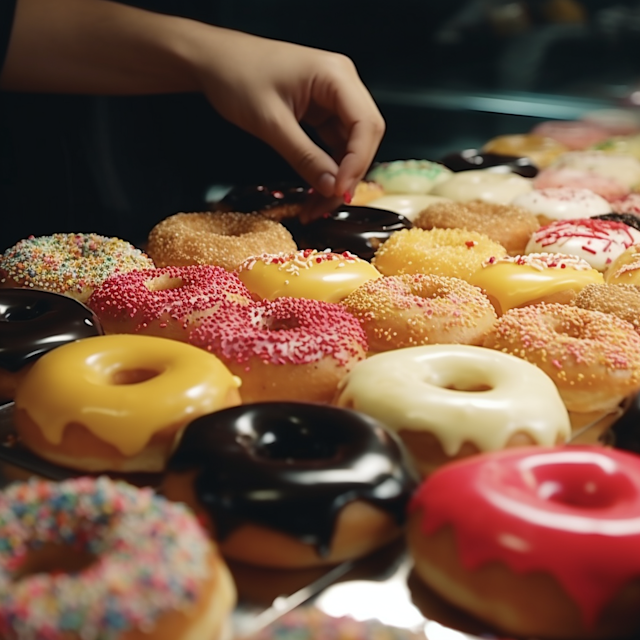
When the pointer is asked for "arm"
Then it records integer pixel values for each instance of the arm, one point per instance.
(263, 86)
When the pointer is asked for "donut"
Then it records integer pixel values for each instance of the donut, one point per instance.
(622, 300)
(292, 484)
(537, 542)
(444, 252)
(508, 225)
(630, 219)
(318, 275)
(34, 322)
(628, 204)
(563, 203)
(285, 349)
(626, 145)
(73, 264)
(540, 149)
(120, 403)
(224, 239)
(408, 176)
(447, 402)
(572, 134)
(86, 559)
(411, 310)
(358, 230)
(625, 169)
(407, 205)
(619, 122)
(166, 302)
(569, 178)
(520, 281)
(625, 269)
(366, 191)
(469, 159)
(483, 184)
(593, 357)
(598, 242)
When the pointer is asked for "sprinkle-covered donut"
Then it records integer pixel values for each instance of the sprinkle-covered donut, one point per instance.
(629, 204)
(70, 263)
(570, 178)
(622, 300)
(409, 176)
(625, 269)
(539, 543)
(95, 559)
(292, 484)
(573, 134)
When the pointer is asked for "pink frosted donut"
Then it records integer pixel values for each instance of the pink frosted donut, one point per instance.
(285, 349)
(606, 187)
(628, 204)
(573, 134)
(165, 302)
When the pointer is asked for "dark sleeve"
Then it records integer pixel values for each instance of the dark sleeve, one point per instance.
(7, 9)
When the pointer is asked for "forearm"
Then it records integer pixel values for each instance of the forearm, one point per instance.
(99, 47)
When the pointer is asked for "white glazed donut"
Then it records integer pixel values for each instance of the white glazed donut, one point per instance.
(483, 184)
(563, 203)
(621, 167)
(409, 176)
(408, 205)
(450, 401)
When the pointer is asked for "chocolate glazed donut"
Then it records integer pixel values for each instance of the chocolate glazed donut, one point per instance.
(275, 201)
(292, 467)
(474, 159)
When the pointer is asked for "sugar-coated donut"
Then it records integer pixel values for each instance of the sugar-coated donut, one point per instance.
(450, 401)
(622, 300)
(285, 349)
(411, 310)
(166, 302)
(292, 484)
(224, 239)
(625, 269)
(469, 159)
(569, 178)
(483, 184)
(89, 559)
(445, 252)
(542, 150)
(118, 403)
(597, 241)
(563, 203)
(408, 176)
(593, 357)
(366, 191)
(319, 275)
(275, 201)
(73, 264)
(408, 205)
(537, 542)
(622, 168)
(520, 281)
(509, 225)
(33, 323)
(572, 134)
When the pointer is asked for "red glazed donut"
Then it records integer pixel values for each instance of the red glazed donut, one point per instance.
(538, 542)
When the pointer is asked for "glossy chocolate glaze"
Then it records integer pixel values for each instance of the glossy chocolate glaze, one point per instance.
(625, 432)
(626, 218)
(360, 230)
(292, 467)
(34, 322)
(475, 159)
(264, 197)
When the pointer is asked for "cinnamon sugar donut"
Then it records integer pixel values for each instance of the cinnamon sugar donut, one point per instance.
(411, 310)
(224, 239)
(622, 300)
(593, 357)
(509, 225)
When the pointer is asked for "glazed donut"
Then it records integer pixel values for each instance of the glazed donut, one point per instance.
(409, 205)
(625, 145)
(292, 484)
(358, 230)
(563, 204)
(622, 168)
(411, 310)
(318, 275)
(542, 150)
(625, 269)
(120, 403)
(593, 357)
(568, 178)
(629, 204)
(598, 242)
(285, 349)
(469, 159)
(622, 300)
(166, 302)
(572, 134)
(224, 239)
(537, 542)
(508, 225)
(521, 281)
(408, 176)
(91, 558)
(275, 201)
(457, 253)
(447, 402)
(483, 184)
(31, 324)
(73, 264)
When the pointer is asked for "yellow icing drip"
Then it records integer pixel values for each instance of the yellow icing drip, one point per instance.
(514, 285)
(78, 383)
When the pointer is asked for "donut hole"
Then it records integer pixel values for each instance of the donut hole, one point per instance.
(291, 441)
(164, 283)
(569, 329)
(132, 376)
(469, 387)
(54, 559)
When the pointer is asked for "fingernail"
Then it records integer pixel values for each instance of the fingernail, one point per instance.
(348, 197)
(326, 185)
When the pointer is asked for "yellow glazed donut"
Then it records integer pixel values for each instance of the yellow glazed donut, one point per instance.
(538, 277)
(318, 275)
(451, 401)
(625, 269)
(118, 403)
(542, 150)
(457, 253)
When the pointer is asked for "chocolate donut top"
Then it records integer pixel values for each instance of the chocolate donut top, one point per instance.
(625, 432)
(475, 159)
(292, 467)
(34, 322)
(263, 197)
(629, 219)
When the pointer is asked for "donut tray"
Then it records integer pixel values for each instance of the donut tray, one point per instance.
(381, 587)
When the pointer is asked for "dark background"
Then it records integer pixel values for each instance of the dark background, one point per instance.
(446, 75)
